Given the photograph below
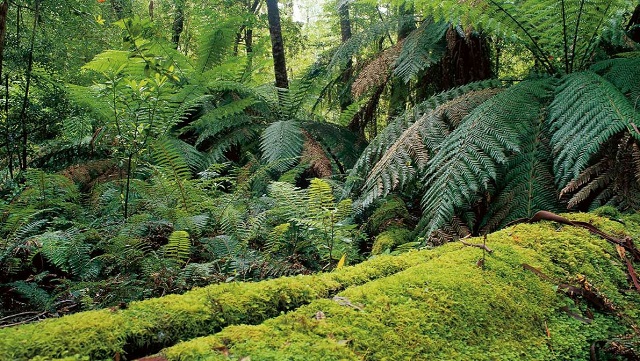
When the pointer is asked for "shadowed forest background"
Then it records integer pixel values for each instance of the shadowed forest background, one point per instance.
(148, 147)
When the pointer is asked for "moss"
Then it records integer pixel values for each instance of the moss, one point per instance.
(432, 304)
(163, 321)
(392, 213)
(389, 239)
(449, 309)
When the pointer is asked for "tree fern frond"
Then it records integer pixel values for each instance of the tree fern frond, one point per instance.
(421, 48)
(377, 72)
(470, 157)
(526, 186)
(379, 145)
(282, 141)
(624, 73)
(358, 41)
(216, 44)
(413, 148)
(587, 111)
(561, 35)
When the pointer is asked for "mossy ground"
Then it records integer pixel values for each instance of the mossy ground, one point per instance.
(450, 309)
(433, 304)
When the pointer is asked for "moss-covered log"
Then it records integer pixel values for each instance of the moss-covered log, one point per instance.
(451, 308)
(432, 304)
(159, 322)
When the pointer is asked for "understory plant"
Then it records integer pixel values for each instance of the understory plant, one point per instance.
(490, 152)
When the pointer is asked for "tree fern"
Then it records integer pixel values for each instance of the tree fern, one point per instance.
(379, 145)
(470, 158)
(525, 185)
(587, 111)
(613, 179)
(421, 48)
(560, 35)
(413, 148)
(282, 141)
(624, 74)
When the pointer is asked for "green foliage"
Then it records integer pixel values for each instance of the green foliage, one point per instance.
(282, 141)
(163, 321)
(178, 246)
(422, 48)
(587, 112)
(501, 311)
(562, 37)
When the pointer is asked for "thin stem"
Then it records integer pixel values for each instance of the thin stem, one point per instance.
(25, 101)
(592, 43)
(575, 35)
(541, 56)
(564, 35)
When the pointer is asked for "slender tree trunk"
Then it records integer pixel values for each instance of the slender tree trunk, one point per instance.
(634, 33)
(347, 73)
(3, 29)
(178, 22)
(7, 129)
(246, 30)
(121, 10)
(277, 45)
(400, 90)
(25, 101)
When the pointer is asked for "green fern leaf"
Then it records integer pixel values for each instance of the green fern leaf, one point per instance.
(380, 145)
(469, 159)
(178, 247)
(423, 47)
(282, 141)
(587, 111)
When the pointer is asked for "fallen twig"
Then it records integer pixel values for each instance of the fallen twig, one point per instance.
(479, 245)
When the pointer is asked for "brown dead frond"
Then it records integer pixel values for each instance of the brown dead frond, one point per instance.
(315, 156)
(376, 72)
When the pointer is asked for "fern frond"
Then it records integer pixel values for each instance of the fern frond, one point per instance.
(526, 184)
(624, 73)
(358, 41)
(561, 35)
(320, 196)
(587, 111)
(377, 72)
(380, 144)
(413, 148)
(178, 247)
(423, 47)
(216, 43)
(470, 157)
(282, 141)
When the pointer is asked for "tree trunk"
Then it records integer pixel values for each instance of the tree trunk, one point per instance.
(246, 30)
(467, 59)
(3, 29)
(277, 45)
(347, 73)
(178, 22)
(120, 9)
(25, 101)
(399, 90)
(633, 30)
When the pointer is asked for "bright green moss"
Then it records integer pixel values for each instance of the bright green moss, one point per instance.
(448, 308)
(165, 320)
(432, 304)
(389, 239)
